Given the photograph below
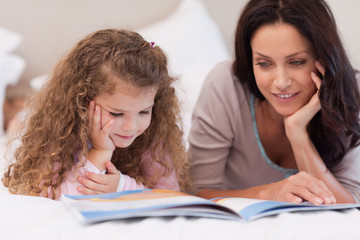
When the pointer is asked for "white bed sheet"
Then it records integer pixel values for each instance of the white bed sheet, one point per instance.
(25, 217)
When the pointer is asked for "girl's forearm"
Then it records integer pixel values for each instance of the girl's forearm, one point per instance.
(99, 158)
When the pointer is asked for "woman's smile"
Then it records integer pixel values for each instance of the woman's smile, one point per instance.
(283, 61)
(285, 97)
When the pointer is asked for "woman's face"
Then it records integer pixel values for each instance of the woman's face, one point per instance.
(131, 108)
(283, 61)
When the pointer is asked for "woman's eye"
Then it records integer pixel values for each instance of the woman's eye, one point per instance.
(297, 63)
(263, 64)
(116, 114)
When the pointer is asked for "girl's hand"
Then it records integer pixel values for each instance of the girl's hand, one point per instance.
(99, 136)
(301, 187)
(299, 120)
(100, 183)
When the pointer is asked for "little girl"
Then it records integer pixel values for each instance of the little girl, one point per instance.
(110, 99)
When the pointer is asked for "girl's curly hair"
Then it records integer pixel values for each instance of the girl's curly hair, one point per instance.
(57, 130)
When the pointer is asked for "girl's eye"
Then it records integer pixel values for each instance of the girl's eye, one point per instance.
(146, 112)
(116, 114)
(263, 64)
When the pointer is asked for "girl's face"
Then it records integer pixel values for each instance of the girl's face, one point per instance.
(283, 61)
(130, 107)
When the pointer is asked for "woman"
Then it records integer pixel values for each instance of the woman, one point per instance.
(280, 122)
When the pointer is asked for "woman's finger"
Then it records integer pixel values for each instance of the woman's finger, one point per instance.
(320, 67)
(313, 189)
(308, 195)
(316, 80)
(323, 192)
(290, 197)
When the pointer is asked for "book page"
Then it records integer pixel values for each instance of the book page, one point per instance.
(141, 199)
(250, 209)
(235, 203)
(142, 203)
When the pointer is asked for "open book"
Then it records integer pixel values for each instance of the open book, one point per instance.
(157, 202)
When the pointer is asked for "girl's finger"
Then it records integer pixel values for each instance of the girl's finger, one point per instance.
(107, 128)
(97, 178)
(91, 185)
(96, 119)
(86, 191)
(91, 112)
(111, 169)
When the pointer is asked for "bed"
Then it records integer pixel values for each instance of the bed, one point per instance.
(196, 35)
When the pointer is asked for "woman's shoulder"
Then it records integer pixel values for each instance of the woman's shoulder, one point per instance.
(222, 81)
(221, 70)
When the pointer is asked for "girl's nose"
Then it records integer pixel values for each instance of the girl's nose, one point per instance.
(129, 124)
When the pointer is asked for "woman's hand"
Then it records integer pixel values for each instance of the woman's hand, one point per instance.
(300, 187)
(99, 136)
(100, 183)
(297, 122)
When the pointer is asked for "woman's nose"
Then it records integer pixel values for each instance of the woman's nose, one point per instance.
(282, 79)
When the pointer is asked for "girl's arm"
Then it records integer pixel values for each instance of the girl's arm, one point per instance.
(115, 181)
(70, 185)
(112, 181)
(94, 183)
(306, 155)
(102, 145)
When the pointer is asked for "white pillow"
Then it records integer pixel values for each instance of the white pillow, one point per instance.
(9, 40)
(194, 44)
(11, 65)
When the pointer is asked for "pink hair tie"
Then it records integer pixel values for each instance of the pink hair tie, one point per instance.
(152, 44)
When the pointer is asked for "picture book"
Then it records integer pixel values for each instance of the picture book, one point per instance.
(158, 202)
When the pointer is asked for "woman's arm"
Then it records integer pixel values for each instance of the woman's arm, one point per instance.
(211, 140)
(306, 155)
(309, 160)
(296, 188)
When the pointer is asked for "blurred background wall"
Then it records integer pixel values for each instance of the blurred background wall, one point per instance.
(50, 27)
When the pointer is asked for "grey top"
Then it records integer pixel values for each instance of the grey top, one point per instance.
(225, 150)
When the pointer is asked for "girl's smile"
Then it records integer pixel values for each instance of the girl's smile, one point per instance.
(130, 108)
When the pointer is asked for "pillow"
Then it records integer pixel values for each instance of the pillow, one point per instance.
(9, 40)
(11, 66)
(194, 44)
